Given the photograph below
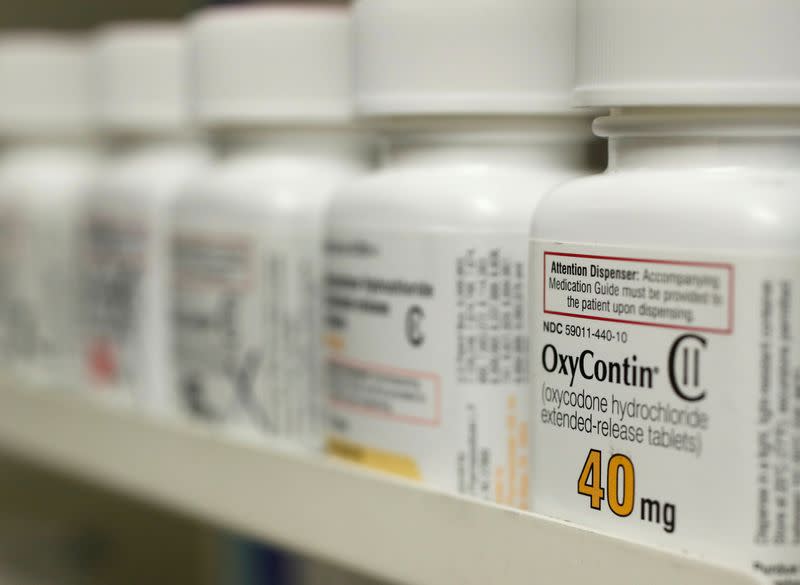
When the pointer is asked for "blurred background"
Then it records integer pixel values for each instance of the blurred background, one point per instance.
(58, 531)
(82, 14)
(55, 530)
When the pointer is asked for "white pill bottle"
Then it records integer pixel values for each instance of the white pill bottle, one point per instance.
(273, 87)
(151, 152)
(46, 164)
(666, 308)
(426, 259)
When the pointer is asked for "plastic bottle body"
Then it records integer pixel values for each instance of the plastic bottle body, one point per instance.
(664, 318)
(125, 269)
(246, 252)
(42, 184)
(426, 295)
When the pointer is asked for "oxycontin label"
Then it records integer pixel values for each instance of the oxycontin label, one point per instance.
(666, 399)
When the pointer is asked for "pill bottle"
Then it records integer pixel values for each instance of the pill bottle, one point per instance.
(666, 307)
(150, 153)
(47, 161)
(273, 87)
(426, 259)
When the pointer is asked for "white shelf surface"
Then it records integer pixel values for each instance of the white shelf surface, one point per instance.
(377, 525)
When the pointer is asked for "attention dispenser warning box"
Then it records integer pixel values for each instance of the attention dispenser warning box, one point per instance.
(695, 296)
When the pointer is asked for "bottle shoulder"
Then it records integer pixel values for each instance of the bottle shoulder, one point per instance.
(480, 197)
(713, 208)
(50, 180)
(147, 177)
(284, 172)
(251, 192)
(261, 178)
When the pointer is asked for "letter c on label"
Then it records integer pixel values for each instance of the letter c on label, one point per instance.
(685, 366)
(586, 375)
(414, 317)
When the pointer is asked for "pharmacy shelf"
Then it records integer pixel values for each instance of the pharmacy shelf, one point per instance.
(377, 525)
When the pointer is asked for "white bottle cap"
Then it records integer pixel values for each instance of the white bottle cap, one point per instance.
(44, 84)
(464, 56)
(688, 52)
(141, 77)
(273, 64)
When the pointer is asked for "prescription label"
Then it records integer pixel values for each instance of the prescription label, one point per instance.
(114, 258)
(216, 320)
(666, 400)
(427, 358)
(288, 400)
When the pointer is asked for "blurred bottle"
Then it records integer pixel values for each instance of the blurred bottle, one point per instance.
(272, 84)
(46, 163)
(143, 114)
